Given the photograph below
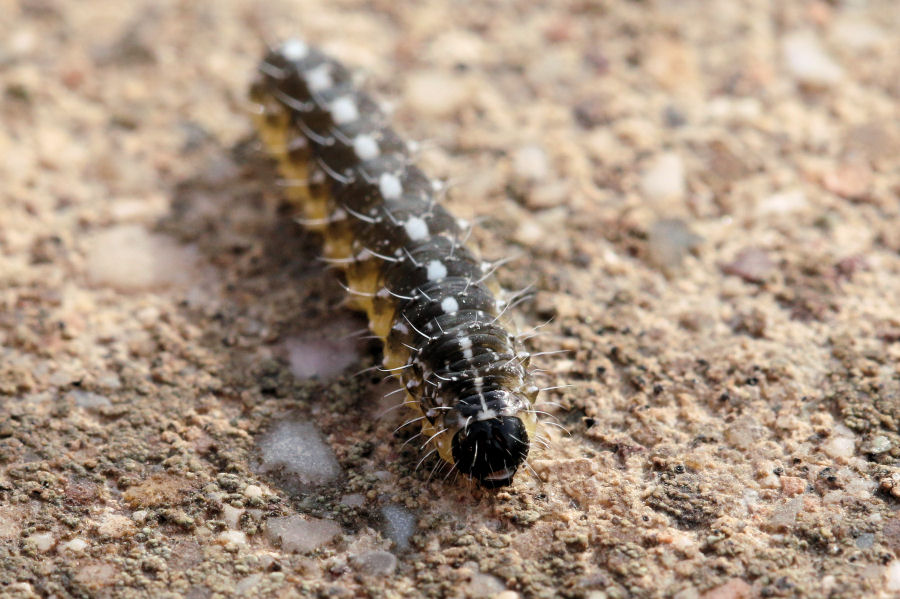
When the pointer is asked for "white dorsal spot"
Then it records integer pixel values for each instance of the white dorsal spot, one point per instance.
(319, 78)
(344, 110)
(390, 186)
(294, 49)
(416, 229)
(366, 147)
(449, 305)
(465, 343)
(436, 270)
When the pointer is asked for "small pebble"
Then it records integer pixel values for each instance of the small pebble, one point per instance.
(318, 356)
(792, 485)
(434, 93)
(530, 163)
(233, 536)
(669, 241)
(484, 585)
(353, 500)
(839, 447)
(75, 545)
(782, 203)
(664, 179)
(376, 563)
(892, 576)
(733, 589)
(399, 524)
(247, 583)
(43, 541)
(88, 400)
(865, 540)
(785, 515)
(253, 492)
(130, 258)
(301, 534)
(298, 448)
(751, 264)
(808, 62)
(232, 516)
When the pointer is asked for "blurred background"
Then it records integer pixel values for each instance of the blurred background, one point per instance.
(704, 194)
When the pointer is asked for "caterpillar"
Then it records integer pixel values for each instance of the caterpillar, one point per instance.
(433, 303)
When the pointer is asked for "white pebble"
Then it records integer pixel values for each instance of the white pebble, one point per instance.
(75, 545)
(665, 178)
(298, 448)
(43, 541)
(232, 516)
(88, 400)
(783, 202)
(807, 61)
(892, 576)
(324, 357)
(233, 536)
(530, 162)
(376, 563)
(435, 94)
(840, 447)
(301, 534)
(399, 524)
(253, 492)
(130, 258)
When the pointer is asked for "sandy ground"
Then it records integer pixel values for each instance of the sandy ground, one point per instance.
(704, 193)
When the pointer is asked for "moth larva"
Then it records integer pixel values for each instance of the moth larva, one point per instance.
(430, 300)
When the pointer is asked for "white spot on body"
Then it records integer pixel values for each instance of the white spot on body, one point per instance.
(467, 353)
(417, 229)
(486, 414)
(366, 147)
(294, 49)
(344, 110)
(401, 327)
(319, 78)
(449, 305)
(390, 187)
(436, 271)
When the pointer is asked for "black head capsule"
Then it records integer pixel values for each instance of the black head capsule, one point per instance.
(491, 450)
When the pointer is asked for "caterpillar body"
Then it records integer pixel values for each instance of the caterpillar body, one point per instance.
(433, 303)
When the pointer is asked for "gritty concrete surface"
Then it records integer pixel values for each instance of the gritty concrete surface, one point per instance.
(704, 194)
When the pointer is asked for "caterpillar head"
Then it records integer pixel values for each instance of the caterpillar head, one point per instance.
(491, 450)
